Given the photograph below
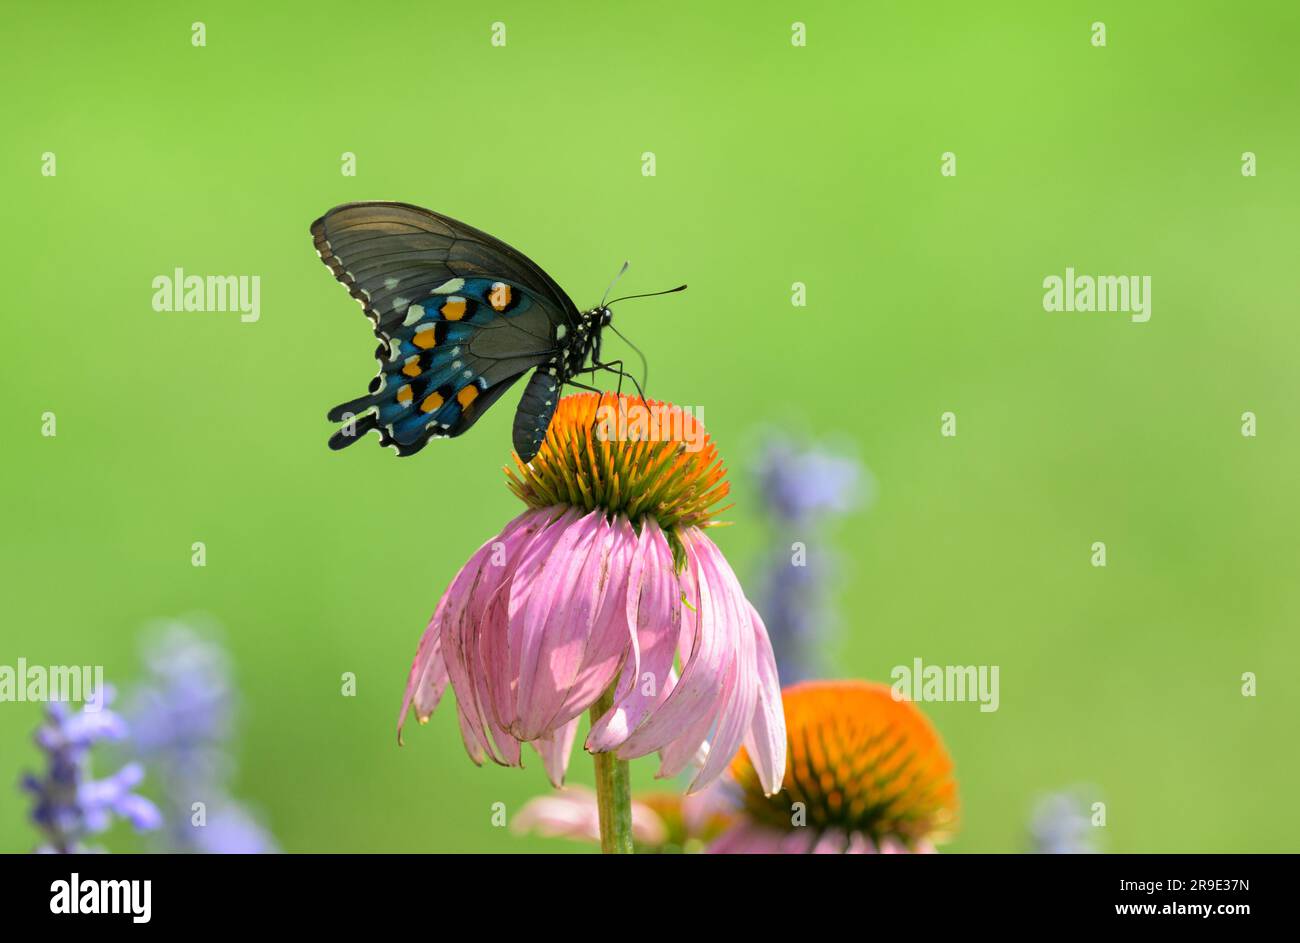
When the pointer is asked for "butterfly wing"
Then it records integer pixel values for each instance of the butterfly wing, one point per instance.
(459, 314)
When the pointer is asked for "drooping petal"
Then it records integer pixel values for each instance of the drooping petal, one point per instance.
(653, 618)
(473, 739)
(554, 749)
(467, 600)
(691, 747)
(447, 621)
(554, 598)
(483, 629)
(670, 717)
(766, 741)
(494, 655)
(736, 711)
(711, 675)
(428, 677)
(604, 650)
(528, 572)
(483, 636)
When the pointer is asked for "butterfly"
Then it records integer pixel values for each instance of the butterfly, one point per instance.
(460, 317)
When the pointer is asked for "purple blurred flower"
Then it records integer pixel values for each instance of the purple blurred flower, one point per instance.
(183, 718)
(69, 804)
(1061, 825)
(802, 490)
(801, 485)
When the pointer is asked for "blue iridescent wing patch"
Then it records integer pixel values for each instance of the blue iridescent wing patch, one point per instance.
(460, 316)
(470, 337)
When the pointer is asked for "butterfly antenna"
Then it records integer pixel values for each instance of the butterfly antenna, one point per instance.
(614, 282)
(645, 366)
(649, 294)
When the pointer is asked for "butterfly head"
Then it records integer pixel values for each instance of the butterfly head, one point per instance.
(593, 322)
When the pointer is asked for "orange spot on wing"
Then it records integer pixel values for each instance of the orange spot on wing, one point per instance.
(499, 296)
(412, 367)
(431, 402)
(405, 394)
(467, 395)
(425, 339)
(453, 309)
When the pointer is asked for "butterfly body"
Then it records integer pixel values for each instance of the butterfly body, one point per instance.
(460, 317)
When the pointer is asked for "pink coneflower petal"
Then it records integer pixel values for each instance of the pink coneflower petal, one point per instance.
(473, 742)
(555, 749)
(766, 741)
(607, 649)
(554, 599)
(718, 690)
(588, 651)
(572, 813)
(736, 706)
(677, 709)
(459, 625)
(428, 677)
(652, 590)
(533, 575)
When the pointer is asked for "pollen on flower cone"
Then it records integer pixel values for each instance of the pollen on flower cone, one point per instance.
(628, 455)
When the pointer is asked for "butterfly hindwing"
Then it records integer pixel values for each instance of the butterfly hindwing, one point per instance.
(458, 348)
(459, 314)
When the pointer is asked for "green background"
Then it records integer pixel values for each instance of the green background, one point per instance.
(775, 164)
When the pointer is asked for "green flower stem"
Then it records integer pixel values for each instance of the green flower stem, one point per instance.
(613, 791)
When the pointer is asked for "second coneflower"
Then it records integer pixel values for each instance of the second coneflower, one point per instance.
(588, 599)
(866, 773)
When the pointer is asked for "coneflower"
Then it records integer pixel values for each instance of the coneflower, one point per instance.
(866, 773)
(585, 601)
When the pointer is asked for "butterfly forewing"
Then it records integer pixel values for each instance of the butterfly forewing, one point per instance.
(390, 253)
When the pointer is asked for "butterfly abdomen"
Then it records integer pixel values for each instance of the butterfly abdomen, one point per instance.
(533, 417)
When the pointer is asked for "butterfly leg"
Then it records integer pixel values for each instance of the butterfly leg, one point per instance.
(615, 367)
(591, 389)
(621, 374)
(583, 386)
